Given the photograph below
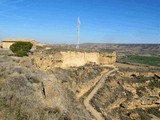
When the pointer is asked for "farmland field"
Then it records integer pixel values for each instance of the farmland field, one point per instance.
(148, 60)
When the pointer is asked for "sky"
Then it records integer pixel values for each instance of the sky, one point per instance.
(102, 21)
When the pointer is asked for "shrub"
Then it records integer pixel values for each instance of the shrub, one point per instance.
(140, 91)
(2, 104)
(154, 111)
(143, 114)
(21, 48)
(18, 115)
(154, 83)
(21, 53)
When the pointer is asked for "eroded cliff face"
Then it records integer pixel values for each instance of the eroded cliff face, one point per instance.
(72, 59)
(33, 94)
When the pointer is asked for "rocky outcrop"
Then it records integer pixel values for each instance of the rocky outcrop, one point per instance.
(146, 74)
(32, 94)
(73, 59)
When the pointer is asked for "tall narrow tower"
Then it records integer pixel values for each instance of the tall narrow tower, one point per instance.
(78, 32)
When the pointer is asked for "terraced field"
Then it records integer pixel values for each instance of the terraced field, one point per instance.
(134, 97)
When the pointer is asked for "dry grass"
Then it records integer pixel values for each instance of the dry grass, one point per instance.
(21, 95)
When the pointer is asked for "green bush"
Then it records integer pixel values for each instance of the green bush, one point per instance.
(21, 53)
(21, 48)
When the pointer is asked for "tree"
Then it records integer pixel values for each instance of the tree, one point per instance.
(21, 48)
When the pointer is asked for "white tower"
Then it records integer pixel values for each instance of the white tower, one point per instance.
(78, 32)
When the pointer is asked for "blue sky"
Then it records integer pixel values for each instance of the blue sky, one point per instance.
(102, 21)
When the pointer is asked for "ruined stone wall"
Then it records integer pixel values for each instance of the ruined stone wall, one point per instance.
(6, 43)
(73, 59)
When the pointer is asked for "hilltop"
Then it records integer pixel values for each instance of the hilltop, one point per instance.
(33, 88)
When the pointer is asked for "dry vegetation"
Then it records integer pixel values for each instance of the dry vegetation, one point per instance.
(128, 98)
(31, 94)
(27, 93)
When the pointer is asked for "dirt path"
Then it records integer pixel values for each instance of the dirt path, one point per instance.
(88, 106)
